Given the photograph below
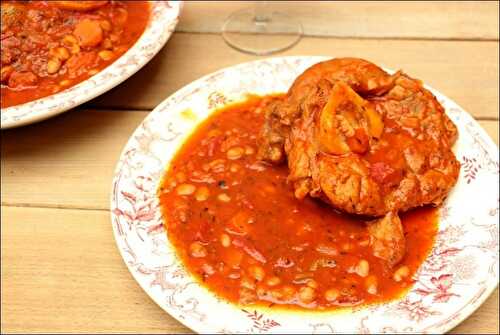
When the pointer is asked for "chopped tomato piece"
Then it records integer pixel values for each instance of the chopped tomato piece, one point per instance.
(22, 79)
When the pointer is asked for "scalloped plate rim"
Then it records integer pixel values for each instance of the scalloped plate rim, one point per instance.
(201, 326)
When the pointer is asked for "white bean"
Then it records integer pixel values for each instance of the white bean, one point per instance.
(307, 294)
(312, 283)
(224, 197)
(53, 65)
(401, 273)
(257, 272)
(202, 193)
(249, 150)
(185, 189)
(273, 281)
(225, 240)
(371, 284)
(106, 54)
(363, 268)
(235, 153)
(197, 250)
(332, 294)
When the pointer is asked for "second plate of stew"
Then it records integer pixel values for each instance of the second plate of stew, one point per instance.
(57, 55)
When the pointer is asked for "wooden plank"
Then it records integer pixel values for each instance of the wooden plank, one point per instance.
(483, 321)
(380, 19)
(68, 161)
(61, 272)
(491, 128)
(468, 72)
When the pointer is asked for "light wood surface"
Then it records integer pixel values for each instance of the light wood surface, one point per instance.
(60, 268)
(62, 272)
(460, 20)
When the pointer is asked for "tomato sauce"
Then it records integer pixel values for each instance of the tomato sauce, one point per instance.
(238, 228)
(48, 46)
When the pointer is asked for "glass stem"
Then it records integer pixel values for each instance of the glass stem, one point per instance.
(262, 14)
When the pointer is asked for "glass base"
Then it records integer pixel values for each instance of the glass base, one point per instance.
(243, 32)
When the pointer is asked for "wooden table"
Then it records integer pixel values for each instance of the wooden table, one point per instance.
(61, 270)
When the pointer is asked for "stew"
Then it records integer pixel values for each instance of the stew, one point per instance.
(237, 226)
(48, 46)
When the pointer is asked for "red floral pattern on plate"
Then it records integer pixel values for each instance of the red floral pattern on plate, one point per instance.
(440, 290)
(441, 296)
(470, 168)
(260, 322)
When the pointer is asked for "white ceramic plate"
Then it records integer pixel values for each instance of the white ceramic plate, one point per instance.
(163, 19)
(459, 274)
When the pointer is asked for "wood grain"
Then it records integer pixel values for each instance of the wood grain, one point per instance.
(61, 272)
(67, 161)
(467, 72)
(363, 19)
(72, 163)
(60, 269)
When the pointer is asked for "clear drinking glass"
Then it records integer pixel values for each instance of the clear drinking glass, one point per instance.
(260, 31)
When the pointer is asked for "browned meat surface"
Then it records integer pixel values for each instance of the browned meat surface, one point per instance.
(364, 141)
(387, 238)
